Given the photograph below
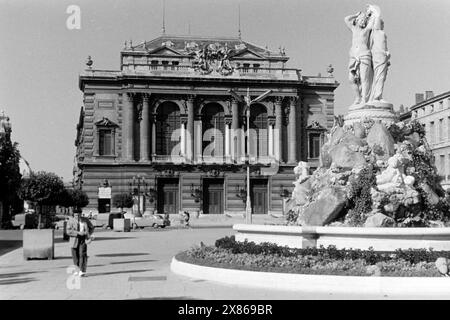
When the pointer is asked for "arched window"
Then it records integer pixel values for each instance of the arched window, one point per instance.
(213, 127)
(167, 121)
(258, 131)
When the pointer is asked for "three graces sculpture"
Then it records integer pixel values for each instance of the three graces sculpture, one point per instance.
(369, 56)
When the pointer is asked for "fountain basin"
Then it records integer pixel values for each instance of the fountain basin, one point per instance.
(380, 239)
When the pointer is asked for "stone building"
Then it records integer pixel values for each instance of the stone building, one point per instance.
(170, 126)
(434, 112)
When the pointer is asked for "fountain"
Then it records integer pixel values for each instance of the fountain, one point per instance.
(377, 185)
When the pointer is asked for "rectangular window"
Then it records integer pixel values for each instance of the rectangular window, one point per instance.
(432, 132)
(448, 128)
(314, 145)
(441, 130)
(154, 64)
(442, 169)
(246, 66)
(105, 147)
(448, 167)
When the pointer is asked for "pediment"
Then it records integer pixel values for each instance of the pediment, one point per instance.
(247, 54)
(165, 51)
(315, 125)
(105, 122)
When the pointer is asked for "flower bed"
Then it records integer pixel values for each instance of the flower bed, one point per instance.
(267, 257)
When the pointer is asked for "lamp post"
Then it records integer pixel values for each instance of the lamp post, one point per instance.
(135, 186)
(248, 103)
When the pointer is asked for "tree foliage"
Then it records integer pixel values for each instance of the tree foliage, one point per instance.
(123, 200)
(75, 198)
(42, 188)
(10, 176)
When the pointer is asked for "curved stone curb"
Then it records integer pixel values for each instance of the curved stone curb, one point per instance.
(414, 286)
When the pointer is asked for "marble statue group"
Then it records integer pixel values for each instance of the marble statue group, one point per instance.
(369, 56)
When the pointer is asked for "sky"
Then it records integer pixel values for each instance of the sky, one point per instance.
(41, 59)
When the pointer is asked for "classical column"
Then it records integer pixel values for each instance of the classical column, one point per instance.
(271, 123)
(153, 124)
(198, 139)
(292, 127)
(144, 131)
(278, 127)
(183, 135)
(190, 128)
(127, 126)
(235, 131)
(228, 123)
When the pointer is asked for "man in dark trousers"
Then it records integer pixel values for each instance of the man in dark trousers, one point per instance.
(80, 230)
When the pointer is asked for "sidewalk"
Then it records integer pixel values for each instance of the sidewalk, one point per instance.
(221, 220)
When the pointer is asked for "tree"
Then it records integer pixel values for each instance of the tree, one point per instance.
(42, 188)
(79, 198)
(123, 200)
(10, 176)
(75, 198)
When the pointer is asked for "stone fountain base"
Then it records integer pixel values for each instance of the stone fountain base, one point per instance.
(376, 110)
(380, 239)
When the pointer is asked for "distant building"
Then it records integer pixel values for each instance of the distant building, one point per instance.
(172, 114)
(434, 112)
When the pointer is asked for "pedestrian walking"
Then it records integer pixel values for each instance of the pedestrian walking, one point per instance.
(186, 219)
(80, 229)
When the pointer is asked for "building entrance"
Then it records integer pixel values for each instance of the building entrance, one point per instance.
(104, 205)
(168, 195)
(213, 196)
(258, 196)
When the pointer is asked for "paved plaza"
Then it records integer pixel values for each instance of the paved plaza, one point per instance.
(133, 265)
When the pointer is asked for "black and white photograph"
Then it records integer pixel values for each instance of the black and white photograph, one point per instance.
(236, 151)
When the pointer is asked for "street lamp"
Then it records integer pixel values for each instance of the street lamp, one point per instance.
(135, 189)
(248, 103)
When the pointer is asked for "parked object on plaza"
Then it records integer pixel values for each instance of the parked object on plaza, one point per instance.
(25, 221)
(38, 244)
(60, 223)
(59, 220)
(42, 188)
(150, 220)
(101, 220)
(122, 224)
(112, 216)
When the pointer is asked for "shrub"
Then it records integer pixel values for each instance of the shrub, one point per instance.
(360, 198)
(370, 256)
(307, 264)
